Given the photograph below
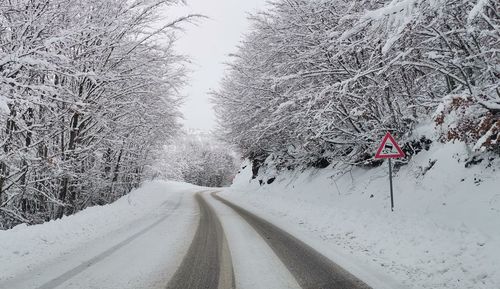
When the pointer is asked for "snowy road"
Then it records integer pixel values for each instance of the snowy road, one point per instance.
(192, 240)
(136, 243)
(310, 268)
(207, 264)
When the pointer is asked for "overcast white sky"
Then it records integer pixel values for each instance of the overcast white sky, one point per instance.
(208, 45)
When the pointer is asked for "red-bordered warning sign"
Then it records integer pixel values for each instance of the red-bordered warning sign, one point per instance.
(389, 149)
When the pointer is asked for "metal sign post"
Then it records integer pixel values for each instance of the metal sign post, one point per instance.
(390, 184)
(389, 149)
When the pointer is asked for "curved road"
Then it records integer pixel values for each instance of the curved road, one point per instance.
(207, 264)
(78, 269)
(203, 262)
(310, 268)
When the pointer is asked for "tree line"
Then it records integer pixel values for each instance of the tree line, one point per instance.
(88, 96)
(197, 158)
(317, 81)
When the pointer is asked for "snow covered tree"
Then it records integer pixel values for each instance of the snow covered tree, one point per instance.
(316, 81)
(88, 89)
(197, 158)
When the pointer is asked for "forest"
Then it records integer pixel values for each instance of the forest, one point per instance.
(89, 95)
(316, 82)
(197, 158)
(90, 92)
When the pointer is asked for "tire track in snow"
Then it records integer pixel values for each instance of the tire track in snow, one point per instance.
(310, 268)
(207, 264)
(83, 266)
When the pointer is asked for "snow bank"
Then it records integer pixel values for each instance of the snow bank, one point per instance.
(444, 232)
(24, 246)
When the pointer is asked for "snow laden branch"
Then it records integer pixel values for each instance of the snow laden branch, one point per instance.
(197, 158)
(321, 81)
(88, 94)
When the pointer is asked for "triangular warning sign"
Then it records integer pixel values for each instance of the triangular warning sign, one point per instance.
(389, 149)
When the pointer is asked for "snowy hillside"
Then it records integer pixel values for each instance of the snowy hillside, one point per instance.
(442, 234)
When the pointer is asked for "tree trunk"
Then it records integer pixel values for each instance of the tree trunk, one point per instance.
(62, 197)
(71, 156)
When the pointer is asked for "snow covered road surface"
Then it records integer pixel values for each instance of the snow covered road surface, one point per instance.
(164, 235)
(207, 263)
(139, 247)
(254, 262)
(95, 260)
(288, 262)
(310, 268)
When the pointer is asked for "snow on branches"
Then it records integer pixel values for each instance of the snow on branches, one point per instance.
(88, 89)
(326, 79)
(198, 158)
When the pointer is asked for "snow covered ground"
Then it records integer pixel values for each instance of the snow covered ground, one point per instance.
(444, 232)
(136, 242)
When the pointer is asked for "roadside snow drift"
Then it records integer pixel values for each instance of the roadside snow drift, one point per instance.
(444, 232)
